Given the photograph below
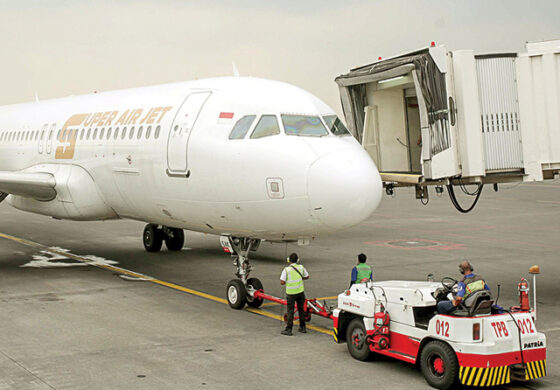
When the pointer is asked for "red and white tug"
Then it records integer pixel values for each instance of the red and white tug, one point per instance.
(473, 346)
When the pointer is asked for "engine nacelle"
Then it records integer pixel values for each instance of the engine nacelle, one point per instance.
(77, 196)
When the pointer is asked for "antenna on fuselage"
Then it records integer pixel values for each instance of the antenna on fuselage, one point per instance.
(235, 71)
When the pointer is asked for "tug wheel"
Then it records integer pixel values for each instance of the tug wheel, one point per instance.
(257, 285)
(236, 294)
(152, 238)
(356, 339)
(439, 365)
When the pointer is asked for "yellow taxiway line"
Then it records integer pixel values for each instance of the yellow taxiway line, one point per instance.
(124, 271)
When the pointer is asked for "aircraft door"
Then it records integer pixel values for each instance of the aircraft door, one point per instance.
(185, 119)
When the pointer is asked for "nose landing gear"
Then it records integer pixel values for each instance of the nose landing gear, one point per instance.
(241, 291)
(154, 236)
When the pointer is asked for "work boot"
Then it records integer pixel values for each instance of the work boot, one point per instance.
(302, 329)
(286, 332)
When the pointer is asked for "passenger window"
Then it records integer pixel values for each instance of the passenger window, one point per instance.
(101, 133)
(95, 133)
(140, 129)
(88, 133)
(148, 132)
(81, 134)
(267, 126)
(109, 133)
(242, 127)
(123, 135)
(156, 134)
(131, 133)
(116, 133)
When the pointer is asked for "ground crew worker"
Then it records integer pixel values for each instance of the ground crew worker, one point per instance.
(361, 272)
(470, 284)
(292, 277)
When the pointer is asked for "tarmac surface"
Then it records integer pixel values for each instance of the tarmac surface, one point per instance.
(65, 324)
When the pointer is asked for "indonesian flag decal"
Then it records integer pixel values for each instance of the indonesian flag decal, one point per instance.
(225, 117)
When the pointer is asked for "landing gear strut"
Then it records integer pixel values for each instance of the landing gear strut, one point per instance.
(241, 290)
(154, 236)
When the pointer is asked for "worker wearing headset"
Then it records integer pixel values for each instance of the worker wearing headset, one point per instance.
(292, 277)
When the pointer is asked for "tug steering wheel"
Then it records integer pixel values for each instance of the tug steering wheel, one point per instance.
(448, 283)
(448, 286)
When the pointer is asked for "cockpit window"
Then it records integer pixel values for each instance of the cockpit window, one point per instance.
(267, 126)
(303, 125)
(335, 125)
(242, 127)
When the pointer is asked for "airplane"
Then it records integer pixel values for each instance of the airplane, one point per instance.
(244, 158)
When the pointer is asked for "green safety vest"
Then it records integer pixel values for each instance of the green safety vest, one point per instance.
(294, 281)
(364, 271)
(472, 287)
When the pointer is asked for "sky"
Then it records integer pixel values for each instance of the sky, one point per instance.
(58, 48)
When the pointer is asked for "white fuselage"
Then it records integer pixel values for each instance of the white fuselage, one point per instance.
(191, 176)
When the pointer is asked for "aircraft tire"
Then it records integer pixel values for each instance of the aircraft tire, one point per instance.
(236, 294)
(257, 285)
(152, 238)
(175, 241)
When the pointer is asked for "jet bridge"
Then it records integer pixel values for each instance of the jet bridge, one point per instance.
(433, 117)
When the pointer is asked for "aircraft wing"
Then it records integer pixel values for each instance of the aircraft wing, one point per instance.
(36, 185)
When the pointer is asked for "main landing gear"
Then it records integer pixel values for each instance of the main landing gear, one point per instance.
(154, 236)
(241, 291)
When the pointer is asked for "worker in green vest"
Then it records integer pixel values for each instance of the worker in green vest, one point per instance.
(361, 272)
(292, 277)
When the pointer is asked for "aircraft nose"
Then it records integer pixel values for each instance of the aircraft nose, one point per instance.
(344, 188)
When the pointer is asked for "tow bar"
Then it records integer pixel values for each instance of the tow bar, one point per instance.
(311, 306)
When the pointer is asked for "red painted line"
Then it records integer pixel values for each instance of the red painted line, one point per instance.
(226, 115)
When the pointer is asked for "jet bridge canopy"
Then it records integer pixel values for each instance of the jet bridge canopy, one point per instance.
(438, 117)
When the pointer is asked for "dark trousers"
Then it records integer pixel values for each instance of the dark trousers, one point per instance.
(292, 299)
(446, 307)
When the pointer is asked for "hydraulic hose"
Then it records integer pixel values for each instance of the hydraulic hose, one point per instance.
(456, 202)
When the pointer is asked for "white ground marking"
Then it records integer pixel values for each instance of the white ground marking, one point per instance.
(49, 259)
(134, 279)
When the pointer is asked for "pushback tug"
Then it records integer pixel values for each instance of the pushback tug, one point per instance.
(478, 345)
